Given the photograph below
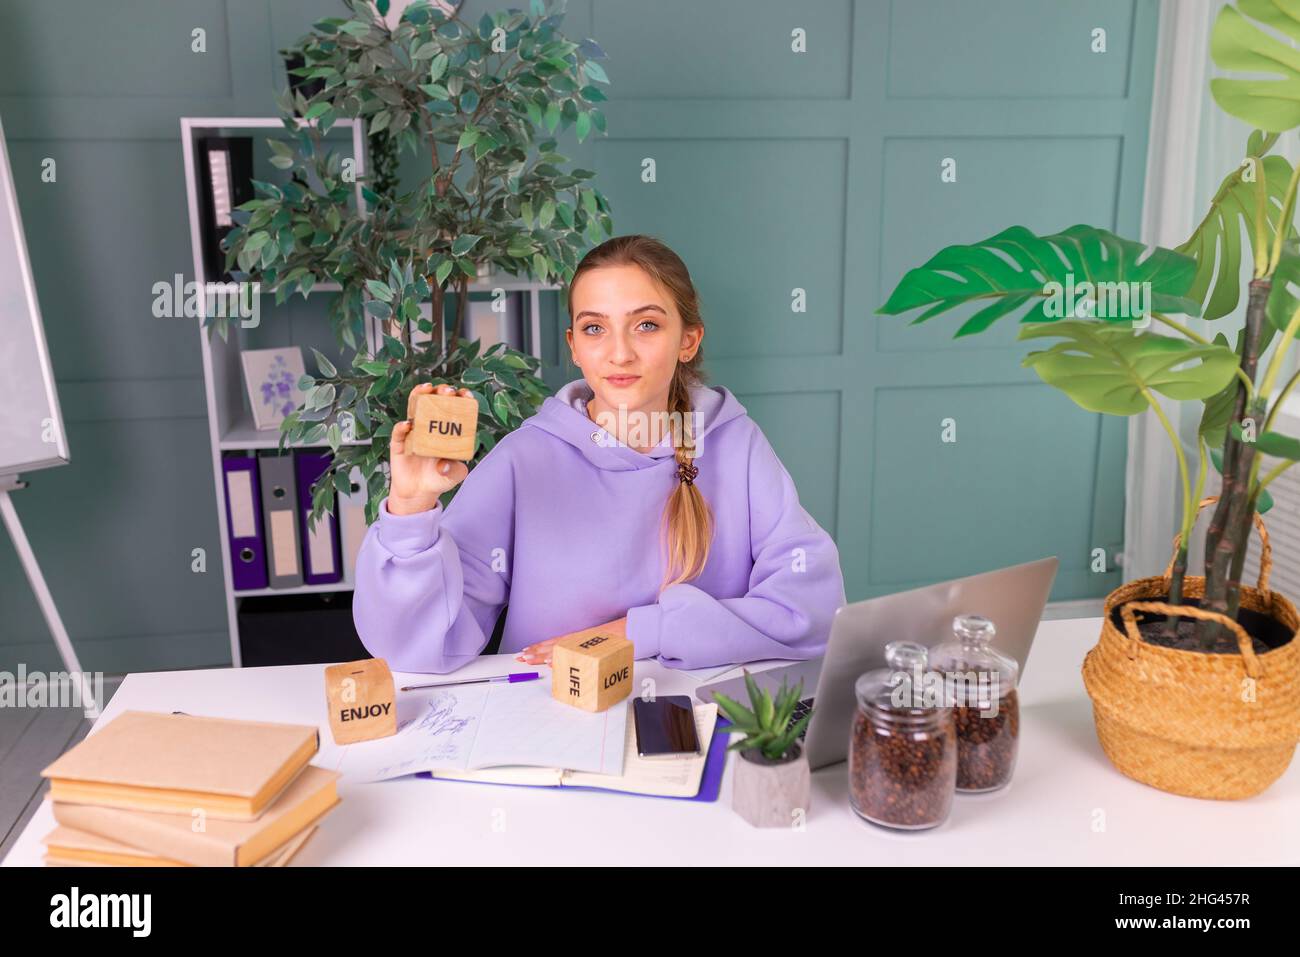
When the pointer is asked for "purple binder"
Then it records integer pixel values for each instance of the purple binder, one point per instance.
(710, 780)
(244, 521)
(326, 568)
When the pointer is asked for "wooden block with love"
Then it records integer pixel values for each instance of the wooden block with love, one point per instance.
(361, 699)
(592, 669)
(444, 426)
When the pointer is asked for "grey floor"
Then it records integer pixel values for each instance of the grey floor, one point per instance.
(30, 738)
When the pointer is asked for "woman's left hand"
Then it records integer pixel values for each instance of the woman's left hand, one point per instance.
(538, 653)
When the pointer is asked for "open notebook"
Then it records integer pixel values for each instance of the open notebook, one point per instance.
(477, 726)
(660, 777)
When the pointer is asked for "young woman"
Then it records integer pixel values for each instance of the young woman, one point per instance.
(636, 496)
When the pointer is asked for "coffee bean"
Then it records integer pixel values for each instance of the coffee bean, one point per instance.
(902, 773)
(986, 746)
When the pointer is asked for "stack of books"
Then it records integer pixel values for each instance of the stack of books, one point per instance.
(157, 790)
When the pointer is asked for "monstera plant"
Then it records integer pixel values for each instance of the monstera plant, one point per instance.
(1107, 309)
(480, 102)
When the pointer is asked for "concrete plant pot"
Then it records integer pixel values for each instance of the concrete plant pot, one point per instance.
(768, 793)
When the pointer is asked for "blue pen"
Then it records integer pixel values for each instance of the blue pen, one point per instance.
(517, 676)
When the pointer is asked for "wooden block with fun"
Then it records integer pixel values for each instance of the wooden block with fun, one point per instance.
(361, 699)
(592, 669)
(444, 426)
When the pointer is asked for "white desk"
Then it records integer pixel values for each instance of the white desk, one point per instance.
(1065, 805)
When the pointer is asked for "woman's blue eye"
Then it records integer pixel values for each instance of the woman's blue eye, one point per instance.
(645, 322)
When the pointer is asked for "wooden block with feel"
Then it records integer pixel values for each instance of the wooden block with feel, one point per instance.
(361, 700)
(592, 669)
(444, 426)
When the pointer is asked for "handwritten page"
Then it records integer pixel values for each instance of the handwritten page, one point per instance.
(466, 727)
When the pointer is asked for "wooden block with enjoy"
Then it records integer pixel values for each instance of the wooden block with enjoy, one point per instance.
(361, 699)
(592, 669)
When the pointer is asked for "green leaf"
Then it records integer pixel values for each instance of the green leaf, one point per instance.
(464, 244)
(255, 242)
(1019, 266)
(326, 367)
(467, 138)
(379, 290)
(1105, 368)
(1282, 302)
(741, 718)
(1218, 408)
(1216, 244)
(1238, 44)
(395, 348)
(1271, 443)
(379, 309)
(438, 67)
(317, 110)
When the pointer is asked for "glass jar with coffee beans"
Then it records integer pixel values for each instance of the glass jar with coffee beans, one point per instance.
(903, 746)
(980, 687)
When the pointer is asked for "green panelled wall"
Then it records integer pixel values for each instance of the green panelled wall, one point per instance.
(778, 175)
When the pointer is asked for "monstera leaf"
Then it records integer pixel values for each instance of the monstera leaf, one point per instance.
(1238, 44)
(1216, 243)
(1282, 302)
(1016, 267)
(1106, 368)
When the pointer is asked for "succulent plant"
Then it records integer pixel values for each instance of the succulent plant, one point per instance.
(767, 725)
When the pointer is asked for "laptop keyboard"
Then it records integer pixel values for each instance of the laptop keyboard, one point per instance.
(801, 709)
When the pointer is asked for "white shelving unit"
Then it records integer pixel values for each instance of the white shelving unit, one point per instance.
(230, 421)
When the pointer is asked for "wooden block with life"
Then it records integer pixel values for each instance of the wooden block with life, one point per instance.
(361, 699)
(592, 669)
(444, 426)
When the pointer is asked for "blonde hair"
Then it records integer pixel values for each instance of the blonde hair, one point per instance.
(687, 525)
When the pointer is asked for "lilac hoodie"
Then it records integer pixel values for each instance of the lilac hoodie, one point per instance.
(563, 522)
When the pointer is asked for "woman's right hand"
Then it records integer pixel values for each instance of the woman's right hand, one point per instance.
(416, 482)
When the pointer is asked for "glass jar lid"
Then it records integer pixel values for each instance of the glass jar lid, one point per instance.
(905, 687)
(971, 666)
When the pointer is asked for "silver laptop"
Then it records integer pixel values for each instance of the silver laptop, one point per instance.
(1013, 598)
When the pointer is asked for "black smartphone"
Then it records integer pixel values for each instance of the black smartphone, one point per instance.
(665, 726)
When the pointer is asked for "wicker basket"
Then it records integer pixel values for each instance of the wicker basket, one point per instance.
(1203, 725)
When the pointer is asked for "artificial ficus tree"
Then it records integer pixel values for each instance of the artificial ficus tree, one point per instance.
(480, 103)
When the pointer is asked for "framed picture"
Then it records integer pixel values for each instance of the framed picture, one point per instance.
(272, 378)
